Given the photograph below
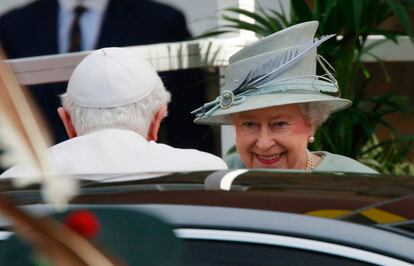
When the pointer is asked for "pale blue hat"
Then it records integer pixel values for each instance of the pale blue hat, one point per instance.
(277, 70)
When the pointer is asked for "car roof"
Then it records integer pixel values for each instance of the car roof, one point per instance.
(358, 198)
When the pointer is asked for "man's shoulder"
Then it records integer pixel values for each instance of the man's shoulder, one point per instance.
(197, 159)
(120, 151)
(31, 9)
(166, 156)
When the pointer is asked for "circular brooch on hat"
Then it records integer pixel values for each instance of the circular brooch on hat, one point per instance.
(226, 99)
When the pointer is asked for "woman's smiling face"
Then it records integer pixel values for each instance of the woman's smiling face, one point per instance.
(275, 137)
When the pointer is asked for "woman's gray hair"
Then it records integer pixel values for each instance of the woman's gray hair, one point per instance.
(136, 117)
(315, 112)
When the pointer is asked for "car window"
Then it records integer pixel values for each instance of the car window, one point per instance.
(201, 252)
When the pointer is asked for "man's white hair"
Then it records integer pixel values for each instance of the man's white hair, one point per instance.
(315, 112)
(136, 117)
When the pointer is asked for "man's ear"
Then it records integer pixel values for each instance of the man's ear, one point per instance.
(67, 122)
(156, 123)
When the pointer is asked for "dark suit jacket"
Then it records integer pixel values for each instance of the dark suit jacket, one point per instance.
(32, 31)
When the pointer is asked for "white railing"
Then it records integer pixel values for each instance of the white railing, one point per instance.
(163, 57)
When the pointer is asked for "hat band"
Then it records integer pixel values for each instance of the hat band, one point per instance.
(305, 84)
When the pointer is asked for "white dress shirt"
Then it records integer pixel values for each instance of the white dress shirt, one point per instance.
(90, 22)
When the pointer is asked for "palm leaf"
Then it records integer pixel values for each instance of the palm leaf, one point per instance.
(388, 34)
(369, 47)
(301, 10)
(402, 15)
(211, 34)
(265, 23)
(281, 18)
(386, 143)
(275, 24)
(323, 13)
(239, 24)
(357, 7)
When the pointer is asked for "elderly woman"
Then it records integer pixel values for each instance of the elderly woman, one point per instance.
(276, 101)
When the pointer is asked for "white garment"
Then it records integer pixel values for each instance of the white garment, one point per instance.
(117, 152)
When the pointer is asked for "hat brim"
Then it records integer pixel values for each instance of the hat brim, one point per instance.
(225, 116)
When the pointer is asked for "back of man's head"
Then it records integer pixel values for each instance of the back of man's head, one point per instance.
(113, 87)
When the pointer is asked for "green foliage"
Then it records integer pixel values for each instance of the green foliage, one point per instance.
(389, 156)
(352, 132)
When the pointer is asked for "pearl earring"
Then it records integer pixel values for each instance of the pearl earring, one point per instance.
(311, 139)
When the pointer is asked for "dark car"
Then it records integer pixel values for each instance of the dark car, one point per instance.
(258, 217)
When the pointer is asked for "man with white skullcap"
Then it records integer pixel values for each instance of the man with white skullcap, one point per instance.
(112, 111)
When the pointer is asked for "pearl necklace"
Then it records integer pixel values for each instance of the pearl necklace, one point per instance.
(310, 164)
